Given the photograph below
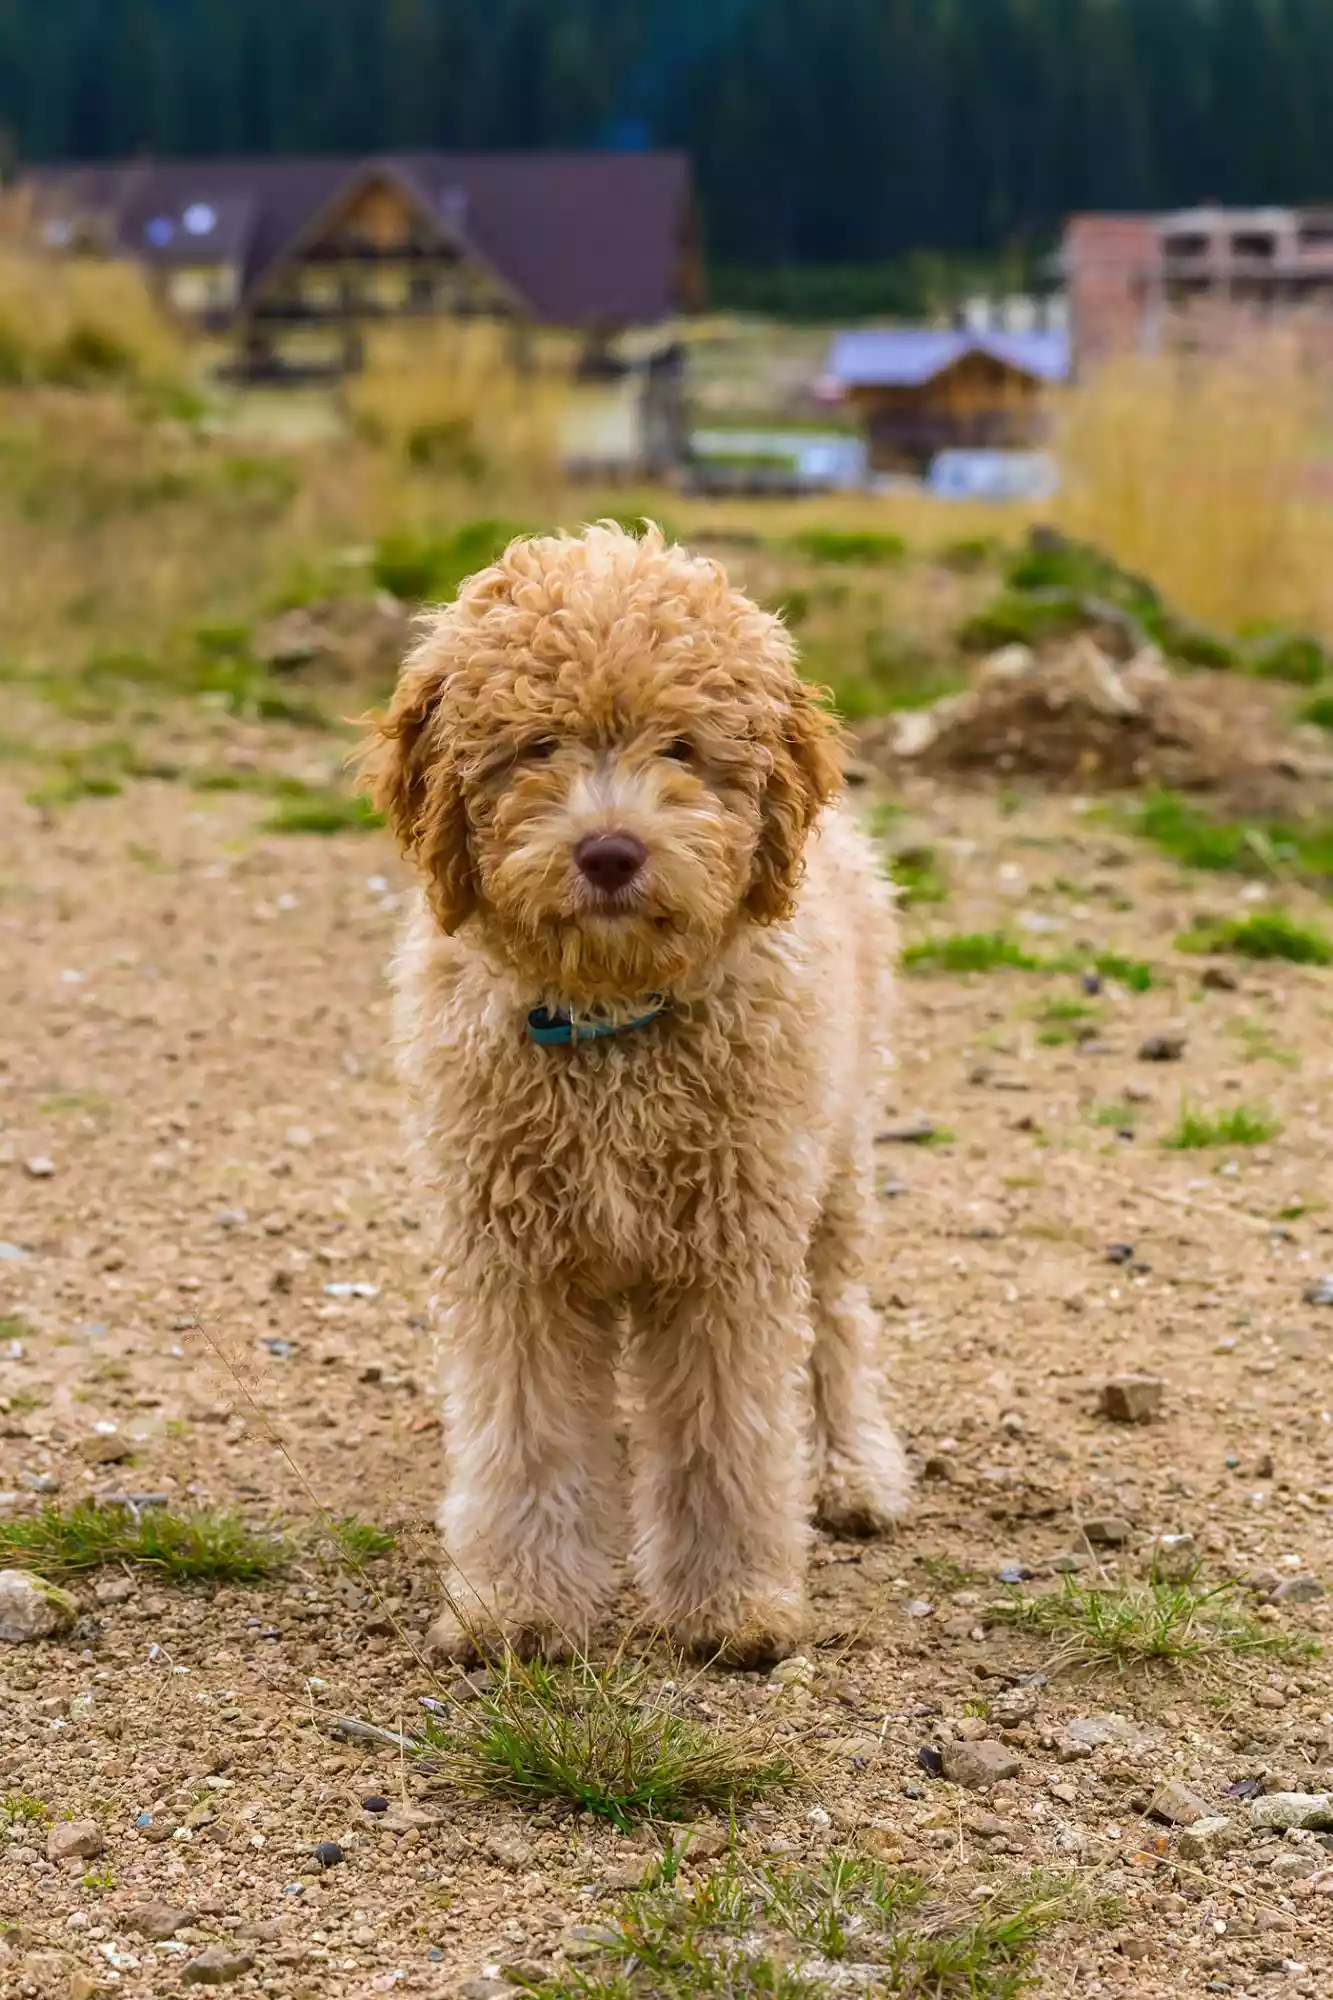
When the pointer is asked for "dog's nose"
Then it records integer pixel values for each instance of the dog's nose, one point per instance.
(610, 861)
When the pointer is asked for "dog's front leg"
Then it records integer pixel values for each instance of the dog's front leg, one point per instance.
(529, 1516)
(721, 1476)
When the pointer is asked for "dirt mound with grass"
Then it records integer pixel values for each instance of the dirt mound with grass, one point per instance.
(1078, 716)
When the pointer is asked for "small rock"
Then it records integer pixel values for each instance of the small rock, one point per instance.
(74, 1840)
(798, 1671)
(706, 1842)
(1016, 1705)
(375, 1803)
(1108, 1531)
(1299, 1590)
(1120, 1253)
(158, 1827)
(1070, 1562)
(1094, 1732)
(1013, 1572)
(1287, 1809)
(1320, 1293)
(328, 1854)
(1174, 1557)
(217, 1966)
(485, 1989)
(1162, 1048)
(32, 1608)
(1220, 979)
(979, 1765)
(105, 1448)
(39, 1167)
(1177, 1805)
(509, 1851)
(857, 1749)
(1133, 1399)
(156, 1920)
(1293, 1867)
(1214, 1834)
(930, 1761)
(910, 1132)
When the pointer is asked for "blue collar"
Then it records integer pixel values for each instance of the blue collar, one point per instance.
(559, 1031)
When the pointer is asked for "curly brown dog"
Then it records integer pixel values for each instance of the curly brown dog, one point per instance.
(641, 1015)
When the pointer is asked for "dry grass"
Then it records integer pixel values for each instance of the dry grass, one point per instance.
(76, 319)
(1198, 471)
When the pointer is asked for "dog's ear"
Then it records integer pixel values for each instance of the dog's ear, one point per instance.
(806, 773)
(412, 774)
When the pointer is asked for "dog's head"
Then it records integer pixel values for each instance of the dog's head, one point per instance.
(603, 755)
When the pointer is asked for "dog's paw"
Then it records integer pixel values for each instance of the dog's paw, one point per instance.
(857, 1501)
(752, 1634)
(477, 1641)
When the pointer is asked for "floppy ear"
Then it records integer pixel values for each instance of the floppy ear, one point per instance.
(413, 778)
(806, 773)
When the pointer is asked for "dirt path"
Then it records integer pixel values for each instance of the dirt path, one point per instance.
(194, 1028)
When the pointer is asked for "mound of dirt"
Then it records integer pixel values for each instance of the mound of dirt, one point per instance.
(1075, 715)
(340, 638)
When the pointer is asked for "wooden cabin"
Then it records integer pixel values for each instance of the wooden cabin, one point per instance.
(918, 391)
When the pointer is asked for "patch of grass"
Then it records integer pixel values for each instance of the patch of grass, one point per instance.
(1319, 711)
(24, 1807)
(358, 1541)
(202, 1544)
(785, 1933)
(970, 951)
(1116, 1117)
(1062, 1020)
(1132, 973)
(1267, 934)
(1237, 1126)
(428, 568)
(946, 1574)
(1247, 847)
(324, 810)
(841, 545)
(600, 1740)
(1147, 1624)
(919, 875)
(100, 1880)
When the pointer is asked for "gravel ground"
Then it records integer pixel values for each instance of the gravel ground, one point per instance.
(200, 1155)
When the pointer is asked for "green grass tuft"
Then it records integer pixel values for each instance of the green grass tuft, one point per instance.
(840, 545)
(790, 1933)
(22, 1806)
(919, 875)
(1238, 1126)
(1246, 847)
(1319, 711)
(316, 810)
(201, 1544)
(1268, 934)
(599, 1740)
(1146, 1624)
(357, 1541)
(970, 951)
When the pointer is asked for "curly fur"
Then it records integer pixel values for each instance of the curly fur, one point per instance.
(665, 1226)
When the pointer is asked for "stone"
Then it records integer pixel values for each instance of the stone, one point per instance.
(39, 1167)
(32, 1608)
(328, 1854)
(910, 1132)
(1108, 1531)
(159, 1826)
(1214, 1834)
(1288, 1809)
(1133, 1399)
(217, 1966)
(509, 1851)
(1320, 1293)
(157, 1921)
(1174, 1558)
(1299, 1590)
(857, 1749)
(1220, 979)
(1086, 1733)
(1177, 1805)
(74, 1840)
(1294, 1866)
(105, 1448)
(979, 1765)
(798, 1671)
(1162, 1048)
(707, 1841)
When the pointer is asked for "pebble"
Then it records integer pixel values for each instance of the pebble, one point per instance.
(1320, 1293)
(1108, 1531)
(74, 1840)
(509, 1851)
(1294, 1866)
(798, 1671)
(1220, 979)
(910, 1132)
(1214, 1834)
(1174, 1557)
(376, 1803)
(1133, 1399)
(1177, 1805)
(1288, 1809)
(157, 1920)
(1299, 1590)
(979, 1765)
(157, 1826)
(1086, 1733)
(39, 1167)
(1162, 1048)
(706, 1842)
(857, 1749)
(31, 1608)
(328, 1854)
(217, 1966)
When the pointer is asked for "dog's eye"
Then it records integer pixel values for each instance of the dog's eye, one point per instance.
(538, 752)
(681, 751)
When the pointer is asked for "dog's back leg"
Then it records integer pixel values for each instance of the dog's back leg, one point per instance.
(862, 1480)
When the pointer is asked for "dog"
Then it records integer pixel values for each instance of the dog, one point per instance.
(641, 1008)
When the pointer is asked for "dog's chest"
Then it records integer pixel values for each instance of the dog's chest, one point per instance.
(633, 1162)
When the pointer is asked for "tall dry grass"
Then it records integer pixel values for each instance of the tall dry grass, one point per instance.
(78, 319)
(469, 399)
(1201, 471)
